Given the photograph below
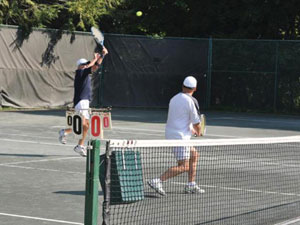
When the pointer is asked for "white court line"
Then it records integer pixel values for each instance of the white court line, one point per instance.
(134, 132)
(24, 135)
(117, 129)
(14, 165)
(39, 218)
(255, 161)
(162, 132)
(289, 222)
(58, 127)
(129, 116)
(140, 129)
(34, 142)
(267, 163)
(219, 135)
(40, 160)
(245, 190)
(255, 120)
(49, 170)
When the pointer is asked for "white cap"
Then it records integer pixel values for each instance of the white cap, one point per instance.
(82, 62)
(190, 82)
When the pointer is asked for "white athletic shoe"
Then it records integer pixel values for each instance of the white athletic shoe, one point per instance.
(194, 189)
(81, 150)
(62, 136)
(156, 184)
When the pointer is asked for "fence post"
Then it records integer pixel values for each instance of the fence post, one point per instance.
(276, 78)
(92, 184)
(209, 69)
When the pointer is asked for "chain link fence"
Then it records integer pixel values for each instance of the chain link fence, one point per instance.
(256, 75)
(140, 71)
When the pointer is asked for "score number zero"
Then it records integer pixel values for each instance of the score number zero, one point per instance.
(99, 121)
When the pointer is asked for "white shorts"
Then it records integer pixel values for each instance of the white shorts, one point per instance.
(82, 108)
(182, 153)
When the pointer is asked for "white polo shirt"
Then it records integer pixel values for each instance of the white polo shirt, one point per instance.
(182, 115)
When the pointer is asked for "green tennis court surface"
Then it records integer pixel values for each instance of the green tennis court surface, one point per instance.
(43, 182)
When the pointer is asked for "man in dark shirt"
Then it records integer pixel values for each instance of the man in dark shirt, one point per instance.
(82, 97)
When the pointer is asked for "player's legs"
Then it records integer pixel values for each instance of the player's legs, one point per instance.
(85, 125)
(187, 159)
(80, 148)
(68, 131)
(83, 108)
(182, 155)
(182, 166)
(192, 187)
(193, 165)
(63, 134)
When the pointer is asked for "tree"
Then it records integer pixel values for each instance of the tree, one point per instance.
(247, 19)
(28, 14)
(58, 14)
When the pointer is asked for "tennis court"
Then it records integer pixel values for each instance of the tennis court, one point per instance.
(244, 183)
(43, 182)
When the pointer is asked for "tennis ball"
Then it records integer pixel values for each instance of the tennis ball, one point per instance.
(139, 13)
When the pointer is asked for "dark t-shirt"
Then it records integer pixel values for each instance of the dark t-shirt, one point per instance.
(82, 85)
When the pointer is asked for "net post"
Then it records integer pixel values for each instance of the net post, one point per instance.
(92, 184)
(106, 202)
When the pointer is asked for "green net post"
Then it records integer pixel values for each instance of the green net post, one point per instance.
(92, 184)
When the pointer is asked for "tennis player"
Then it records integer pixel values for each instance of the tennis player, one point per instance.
(82, 97)
(183, 122)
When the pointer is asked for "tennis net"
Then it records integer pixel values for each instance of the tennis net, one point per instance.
(246, 181)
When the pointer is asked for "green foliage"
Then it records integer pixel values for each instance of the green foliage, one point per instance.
(27, 14)
(251, 19)
(87, 12)
(268, 19)
(58, 14)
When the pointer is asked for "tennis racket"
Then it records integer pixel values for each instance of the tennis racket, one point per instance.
(98, 36)
(203, 124)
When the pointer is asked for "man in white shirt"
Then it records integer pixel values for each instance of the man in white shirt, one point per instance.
(183, 122)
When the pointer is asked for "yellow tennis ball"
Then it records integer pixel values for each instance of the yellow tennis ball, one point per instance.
(139, 13)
